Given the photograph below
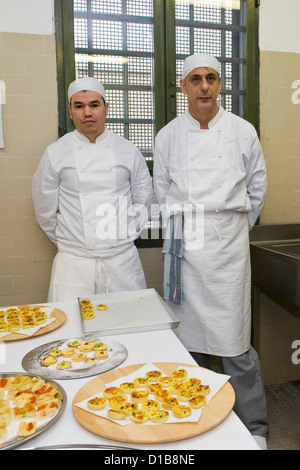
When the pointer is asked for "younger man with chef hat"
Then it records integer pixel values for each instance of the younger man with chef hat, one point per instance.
(91, 193)
(211, 159)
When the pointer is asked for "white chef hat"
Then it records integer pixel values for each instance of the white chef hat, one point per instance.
(86, 84)
(200, 60)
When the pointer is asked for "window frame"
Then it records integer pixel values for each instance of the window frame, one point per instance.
(164, 69)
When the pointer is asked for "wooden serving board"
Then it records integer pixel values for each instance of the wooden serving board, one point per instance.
(217, 409)
(60, 318)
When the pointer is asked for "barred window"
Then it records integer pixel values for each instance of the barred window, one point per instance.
(114, 42)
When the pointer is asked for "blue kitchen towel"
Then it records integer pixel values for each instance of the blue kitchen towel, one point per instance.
(173, 250)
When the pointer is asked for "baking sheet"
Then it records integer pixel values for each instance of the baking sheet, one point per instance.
(127, 312)
(32, 361)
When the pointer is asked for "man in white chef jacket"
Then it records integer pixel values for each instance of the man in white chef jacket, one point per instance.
(209, 166)
(92, 192)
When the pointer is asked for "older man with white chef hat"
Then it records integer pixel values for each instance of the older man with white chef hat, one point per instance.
(92, 193)
(210, 180)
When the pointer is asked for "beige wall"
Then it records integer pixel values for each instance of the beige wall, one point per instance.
(280, 136)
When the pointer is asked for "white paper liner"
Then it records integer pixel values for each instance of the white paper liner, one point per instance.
(30, 331)
(207, 377)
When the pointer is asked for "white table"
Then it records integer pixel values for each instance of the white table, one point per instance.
(231, 434)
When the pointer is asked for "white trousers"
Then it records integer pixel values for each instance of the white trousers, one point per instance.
(76, 276)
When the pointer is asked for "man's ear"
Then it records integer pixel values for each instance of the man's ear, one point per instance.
(182, 86)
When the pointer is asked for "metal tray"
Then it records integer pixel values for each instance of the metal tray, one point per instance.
(31, 362)
(128, 312)
(17, 441)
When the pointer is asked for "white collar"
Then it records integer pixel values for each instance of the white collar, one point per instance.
(85, 139)
(211, 123)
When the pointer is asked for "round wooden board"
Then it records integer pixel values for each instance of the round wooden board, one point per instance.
(60, 318)
(217, 409)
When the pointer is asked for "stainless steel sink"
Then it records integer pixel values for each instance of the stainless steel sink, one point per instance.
(275, 260)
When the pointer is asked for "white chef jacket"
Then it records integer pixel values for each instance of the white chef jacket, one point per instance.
(92, 201)
(221, 169)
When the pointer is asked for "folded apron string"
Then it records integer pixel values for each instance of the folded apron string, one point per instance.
(102, 277)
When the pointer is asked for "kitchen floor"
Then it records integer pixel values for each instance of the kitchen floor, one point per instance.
(283, 401)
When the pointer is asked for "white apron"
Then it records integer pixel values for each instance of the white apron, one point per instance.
(77, 276)
(215, 313)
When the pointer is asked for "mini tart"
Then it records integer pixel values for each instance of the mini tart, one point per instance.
(85, 347)
(101, 307)
(153, 387)
(162, 394)
(78, 357)
(101, 355)
(141, 381)
(84, 302)
(90, 360)
(192, 382)
(96, 403)
(116, 414)
(128, 407)
(117, 402)
(139, 396)
(153, 375)
(55, 352)
(49, 361)
(176, 387)
(169, 403)
(99, 346)
(197, 402)
(202, 390)
(111, 392)
(69, 352)
(139, 416)
(182, 411)
(166, 381)
(179, 375)
(63, 365)
(74, 344)
(158, 416)
(128, 387)
(185, 395)
(150, 405)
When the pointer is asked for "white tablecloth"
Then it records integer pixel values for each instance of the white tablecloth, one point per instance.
(231, 434)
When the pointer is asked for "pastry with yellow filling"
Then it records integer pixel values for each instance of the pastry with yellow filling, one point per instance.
(78, 357)
(55, 352)
(162, 394)
(117, 402)
(26, 429)
(68, 352)
(141, 381)
(169, 403)
(153, 375)
(128, 387)
(182, 411)
(101, 355)
(111, 392)
(49, 361)
(158, 416)
(153, 387)
(63, 365)
(101, 307)
(74, 344)
(128, 407)
(85, 347)
(96, 403)
(139, 396)
(139, 416)
(202, 390)
(150, 405)
(197, 402)
(116, 414)
(166, 381)
(185, 395)
(192, 382)
(179, 375)
(99, 346)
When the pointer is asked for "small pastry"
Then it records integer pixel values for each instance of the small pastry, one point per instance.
(182, 411)
(63, 365)
(169, 403)
(202, 390)
(26, 429)
(128, 407)
(99, 346)
(55, 352)
(101, 307)
(150, 405)
(197, 402)
(116, 414)
(192, 382)
(139, 396)
(153, 375)
(101, 355)
(162, 394)
(68, 352)
(111, 392)
(117, 401)
(185, 395)
(158, 416)
(165, 381)
(96, 403)
(139, 416)
(179, 375)
(78, 357)
(49, 361)
(141, 381)
(74, 344)
(90, 360)
(85, 347)
(128, 387)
